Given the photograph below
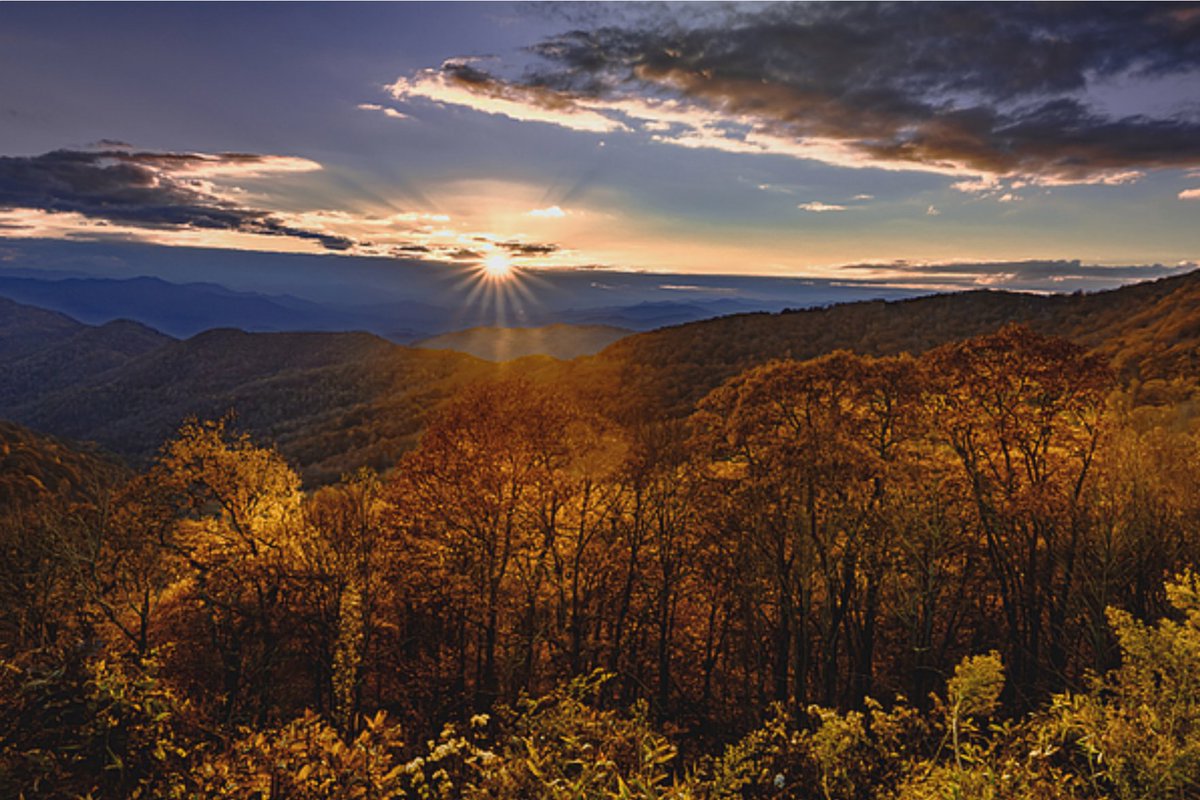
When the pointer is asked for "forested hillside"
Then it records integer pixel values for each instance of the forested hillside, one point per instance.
(1148, 330)
(961, 573)
(333, 402)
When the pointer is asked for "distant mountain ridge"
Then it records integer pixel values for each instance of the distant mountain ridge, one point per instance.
(185, 309)
(1149, 331)
(24, 329)
(176, 309)
(332, 401)
(43, 351)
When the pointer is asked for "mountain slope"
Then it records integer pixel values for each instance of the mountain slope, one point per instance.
(505, 344)
(331, 401)
(25, 329)
(67, 360)
(33, 464)
(1149, 330)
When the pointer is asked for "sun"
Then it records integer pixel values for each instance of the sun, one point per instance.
(497, 266)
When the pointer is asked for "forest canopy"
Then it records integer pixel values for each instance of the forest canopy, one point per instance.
(965, 573)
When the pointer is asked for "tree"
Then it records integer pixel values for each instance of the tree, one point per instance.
(240, 537)
(802, 454)
(1023, 414)
(501, 476)
(345, 555)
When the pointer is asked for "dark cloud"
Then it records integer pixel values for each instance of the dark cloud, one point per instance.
(142, 188)
(529, 248)
(995, 88)
(111, 144)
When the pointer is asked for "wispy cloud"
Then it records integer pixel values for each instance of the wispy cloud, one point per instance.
(817, 207)
(1190, 194)
(460, 84)
(1056, 275)
(551, 212)
(387, 111)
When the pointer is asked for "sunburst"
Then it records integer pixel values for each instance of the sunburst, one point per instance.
(498, 267)
(499, 287)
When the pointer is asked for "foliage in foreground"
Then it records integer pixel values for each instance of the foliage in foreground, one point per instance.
(88, 728)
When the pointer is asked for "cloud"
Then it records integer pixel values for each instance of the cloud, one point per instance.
(553, 212)
(458, 83)
(529, 248)
(151, 189)
(932, 211)
(817, 207)
(199, 200)
(1190, 194)
(983, 185)
(387, 111)
(978, 91)
(1049, 275)
(864, 197)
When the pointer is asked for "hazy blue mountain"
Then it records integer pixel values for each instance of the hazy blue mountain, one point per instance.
(176, 309)
(405, 298)
(185, 309)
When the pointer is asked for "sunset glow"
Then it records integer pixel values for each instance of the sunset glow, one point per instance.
(714, 139)
(498, 267)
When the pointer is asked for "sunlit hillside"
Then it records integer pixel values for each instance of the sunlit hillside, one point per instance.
(507, 344)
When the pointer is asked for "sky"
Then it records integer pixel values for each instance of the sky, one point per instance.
(940, 145)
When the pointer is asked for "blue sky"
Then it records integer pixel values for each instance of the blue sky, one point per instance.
(757, 139)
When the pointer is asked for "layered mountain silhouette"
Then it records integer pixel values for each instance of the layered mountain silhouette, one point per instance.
(334, 401)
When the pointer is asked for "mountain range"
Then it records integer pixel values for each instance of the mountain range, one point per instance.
(333, 400)
(194, 289)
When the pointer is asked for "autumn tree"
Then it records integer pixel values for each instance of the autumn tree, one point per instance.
(801, 454)
(128, 561)
(504, 493)
(344, 557)
(1023, 414)
(240, 537)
